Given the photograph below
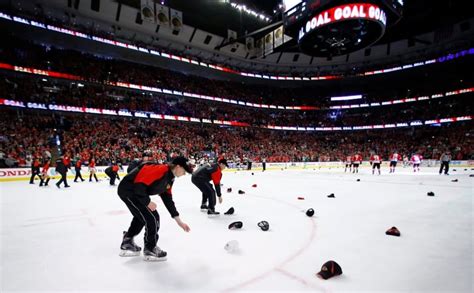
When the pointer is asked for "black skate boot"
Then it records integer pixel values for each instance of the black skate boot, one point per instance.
(154, 255)
(128, 246)
(212, 213)
(204, 207)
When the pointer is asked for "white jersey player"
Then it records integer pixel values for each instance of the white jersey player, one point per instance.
(416, 161)
(394, 158)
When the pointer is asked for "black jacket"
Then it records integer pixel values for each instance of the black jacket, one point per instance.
(60, 167)
(133, 164)
(149, 179)
(208, 173)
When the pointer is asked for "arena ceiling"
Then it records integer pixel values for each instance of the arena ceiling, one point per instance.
(216, 16)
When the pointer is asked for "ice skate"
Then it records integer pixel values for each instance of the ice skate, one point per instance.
(154, 255)
(128, 247)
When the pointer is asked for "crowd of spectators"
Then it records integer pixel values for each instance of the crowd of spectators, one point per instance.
(33, 133)
(49, 91)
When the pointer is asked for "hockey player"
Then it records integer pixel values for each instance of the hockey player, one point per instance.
(416, 161)
(135, 190)
(356, 161)
(201, 178)
(375, 161)
(348, 164)
(406, 162)
(393, 161)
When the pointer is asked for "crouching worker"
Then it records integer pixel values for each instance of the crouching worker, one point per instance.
(135, 190)
(112, 172)
(201, 179)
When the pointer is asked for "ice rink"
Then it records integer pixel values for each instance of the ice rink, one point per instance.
(68, 239)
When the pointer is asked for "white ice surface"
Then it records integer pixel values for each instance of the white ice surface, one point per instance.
(68, 239)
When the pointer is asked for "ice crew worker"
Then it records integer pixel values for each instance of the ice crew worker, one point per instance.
(201, 178)
(112, 172)
(35, 170)
(77, 169)
(61, 168)
(135, 190)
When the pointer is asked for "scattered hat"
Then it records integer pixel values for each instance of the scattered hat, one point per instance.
(393, 231)
(223, 161)
(183, 162)
(264, 225)
(232, 246)
(455, 180)
(310, 212)
(431, 193)
(236, 225)
(471, 175)
(454, 170)
(241, 191)
(329, 270)
(465, 169)
(252, 173)
(358, 180)
(254, 185)
(229, 189)
(331, 195)
(300, 198)
(230, 211)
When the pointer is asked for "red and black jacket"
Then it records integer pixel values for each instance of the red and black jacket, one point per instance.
(149, 179)
(78, 164)
(208, 173)
(35, 166)
(111, 170)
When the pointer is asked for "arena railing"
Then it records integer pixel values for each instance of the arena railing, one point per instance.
(152, 115)
(145, 88)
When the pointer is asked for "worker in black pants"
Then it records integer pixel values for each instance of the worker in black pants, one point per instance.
(62, 170)
(445, 159)
(112, 172)
(201, 178)
(35, 170)
(135, 190)
(77, 168)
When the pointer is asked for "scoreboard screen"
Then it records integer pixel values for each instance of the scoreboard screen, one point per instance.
(338, 27)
